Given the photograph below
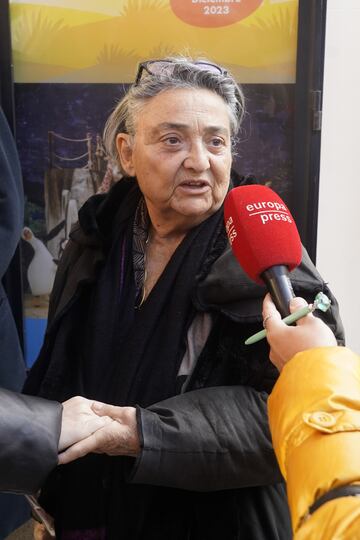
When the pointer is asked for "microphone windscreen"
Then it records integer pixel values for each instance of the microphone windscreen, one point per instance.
(261, 230)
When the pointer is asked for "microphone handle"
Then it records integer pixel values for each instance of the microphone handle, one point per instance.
(279, 286)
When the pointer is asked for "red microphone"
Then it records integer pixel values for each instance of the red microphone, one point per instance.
(264, 238)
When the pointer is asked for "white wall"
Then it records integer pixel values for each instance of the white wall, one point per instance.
(338, 247)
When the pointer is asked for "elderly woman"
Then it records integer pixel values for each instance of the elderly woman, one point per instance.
(150, 305)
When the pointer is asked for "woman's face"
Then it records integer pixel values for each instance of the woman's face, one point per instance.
(180, 154)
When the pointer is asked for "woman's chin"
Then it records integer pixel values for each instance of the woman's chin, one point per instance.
(196, 209)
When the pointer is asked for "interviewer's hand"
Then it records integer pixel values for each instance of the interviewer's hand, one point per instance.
(285, 341)
(79, 421)
(117, 438)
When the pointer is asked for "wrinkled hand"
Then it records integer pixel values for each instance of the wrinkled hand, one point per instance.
(118, 438)
(79, 421)
(285, 341)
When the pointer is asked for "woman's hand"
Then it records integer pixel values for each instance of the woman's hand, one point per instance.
(285, 341)
(79, 421)
(117, 438)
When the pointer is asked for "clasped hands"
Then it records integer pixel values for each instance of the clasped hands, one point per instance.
(90, 426)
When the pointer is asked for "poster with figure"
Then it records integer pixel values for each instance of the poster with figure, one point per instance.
(74, 59)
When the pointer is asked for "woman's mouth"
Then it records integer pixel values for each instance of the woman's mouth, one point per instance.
(197, 186)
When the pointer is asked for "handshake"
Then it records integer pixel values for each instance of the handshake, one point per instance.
(90, 426)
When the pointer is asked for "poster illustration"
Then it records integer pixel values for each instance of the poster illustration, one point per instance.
(73, 59)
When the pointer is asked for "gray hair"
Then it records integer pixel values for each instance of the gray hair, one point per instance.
(124, 116)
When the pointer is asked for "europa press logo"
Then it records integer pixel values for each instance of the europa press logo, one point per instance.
(230, 230)
(213, 13)
(269, 211)
(255, 214)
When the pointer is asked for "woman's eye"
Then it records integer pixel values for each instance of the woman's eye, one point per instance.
(216, 141)
(172, 140)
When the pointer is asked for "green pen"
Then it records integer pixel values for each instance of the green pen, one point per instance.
(321, 302)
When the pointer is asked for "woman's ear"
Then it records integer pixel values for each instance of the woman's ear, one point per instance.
(124, 147)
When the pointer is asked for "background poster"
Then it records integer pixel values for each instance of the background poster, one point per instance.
(73, 59)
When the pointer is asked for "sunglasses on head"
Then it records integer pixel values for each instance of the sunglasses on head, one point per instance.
(167, 67)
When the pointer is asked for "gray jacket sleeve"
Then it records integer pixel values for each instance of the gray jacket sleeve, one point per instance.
(201, 441)
(29, 435)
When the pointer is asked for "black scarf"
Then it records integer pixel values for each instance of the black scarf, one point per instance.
(132, 355)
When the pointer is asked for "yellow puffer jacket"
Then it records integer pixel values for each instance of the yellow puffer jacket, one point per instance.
(314, 413)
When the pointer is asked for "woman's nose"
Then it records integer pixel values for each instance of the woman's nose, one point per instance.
(197, 158)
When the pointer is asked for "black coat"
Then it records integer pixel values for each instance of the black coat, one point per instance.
(29, 432)
(213, 440)
(12, 367)
(29, 429)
